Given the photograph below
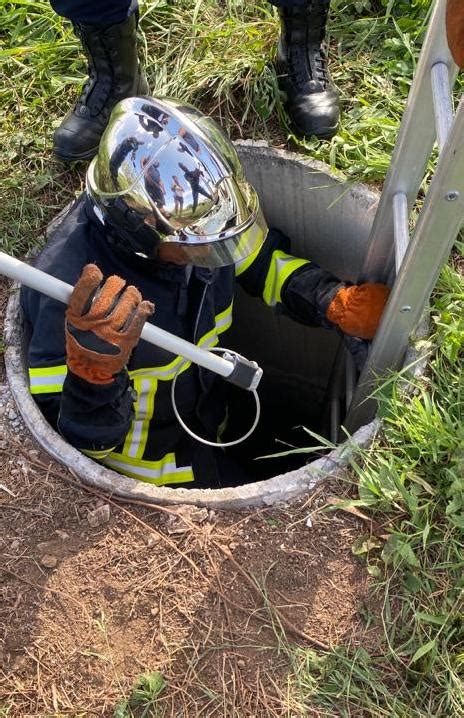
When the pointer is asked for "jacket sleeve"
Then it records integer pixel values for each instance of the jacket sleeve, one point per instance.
(300, 288)
(95, 418)
(92, 418)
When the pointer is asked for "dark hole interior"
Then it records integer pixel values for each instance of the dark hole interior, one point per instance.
(289, 409)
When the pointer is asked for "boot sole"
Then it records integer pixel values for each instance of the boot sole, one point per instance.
(319, 131)
(78, 157)
(325, 133)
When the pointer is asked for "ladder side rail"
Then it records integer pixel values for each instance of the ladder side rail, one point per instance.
(437, 227)
(413, 147)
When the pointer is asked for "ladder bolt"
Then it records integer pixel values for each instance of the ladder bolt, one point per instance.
(406, 308)
(452, 195)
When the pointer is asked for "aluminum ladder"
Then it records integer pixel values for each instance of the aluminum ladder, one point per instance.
(411, 264)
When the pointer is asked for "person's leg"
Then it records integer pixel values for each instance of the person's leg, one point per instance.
(202, 191)
(311, 99)
(194, 198)
(108, 32)
(94, 12)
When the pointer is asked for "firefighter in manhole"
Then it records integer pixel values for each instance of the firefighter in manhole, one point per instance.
(165, 228)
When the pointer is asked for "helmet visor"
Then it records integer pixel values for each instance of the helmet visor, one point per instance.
(229, 249)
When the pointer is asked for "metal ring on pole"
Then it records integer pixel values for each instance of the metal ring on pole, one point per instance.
(215, 444)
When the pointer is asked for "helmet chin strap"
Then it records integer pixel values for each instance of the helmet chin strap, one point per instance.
(129, 243)
(126, 230)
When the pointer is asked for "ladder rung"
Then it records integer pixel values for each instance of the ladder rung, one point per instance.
(400, 227)
(442, 101)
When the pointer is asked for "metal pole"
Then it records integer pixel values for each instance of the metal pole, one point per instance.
(61, 291)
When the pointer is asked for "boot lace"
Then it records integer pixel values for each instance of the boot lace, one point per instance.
(306, 56)
(97, 89)
(308, 64)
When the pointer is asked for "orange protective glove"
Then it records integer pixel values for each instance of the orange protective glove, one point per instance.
(357, 310)
(103, 325)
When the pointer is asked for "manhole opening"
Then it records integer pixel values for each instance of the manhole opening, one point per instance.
(328, 222)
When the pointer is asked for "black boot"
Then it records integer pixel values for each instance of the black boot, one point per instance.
(114, 74)
(311, 100)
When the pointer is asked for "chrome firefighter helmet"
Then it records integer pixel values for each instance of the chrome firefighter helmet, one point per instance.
(165, 172)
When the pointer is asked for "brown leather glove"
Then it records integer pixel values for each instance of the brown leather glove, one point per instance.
(357, 310)
(103, 325)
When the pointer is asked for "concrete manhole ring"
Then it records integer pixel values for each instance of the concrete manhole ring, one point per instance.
(330, 221)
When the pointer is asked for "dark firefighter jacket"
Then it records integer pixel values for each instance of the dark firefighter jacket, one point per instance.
(129, 425)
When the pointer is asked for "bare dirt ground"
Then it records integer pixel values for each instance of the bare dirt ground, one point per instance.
(96, 592)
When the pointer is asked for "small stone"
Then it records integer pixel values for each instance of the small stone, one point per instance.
(154, 611)
(12, 415)
(100, 515)
(49, 561)
(33, 454)
(62, 534)
(19, 663)
(241, 663)
(233, 545)
(15, 544)
(151, 540)
(179, 522)
(44, 547)
(3, 444)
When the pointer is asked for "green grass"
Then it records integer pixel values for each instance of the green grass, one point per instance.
(412, 481)
(217, 55)
(142, 703)
(214, 54)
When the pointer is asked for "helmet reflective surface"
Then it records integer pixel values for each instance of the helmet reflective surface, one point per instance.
(167, 173)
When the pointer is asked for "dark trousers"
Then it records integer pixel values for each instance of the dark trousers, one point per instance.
(110, 12)
(95, 12)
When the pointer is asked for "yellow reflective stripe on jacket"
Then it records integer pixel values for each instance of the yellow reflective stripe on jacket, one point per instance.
(166, 372)
(146, 383)
(281, 267)
(136, 438)
(47, 380)
(243, 265)
(161, 472)
(97, 454)
(223, 322)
